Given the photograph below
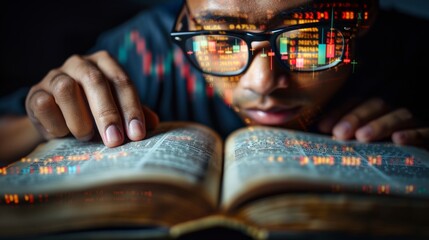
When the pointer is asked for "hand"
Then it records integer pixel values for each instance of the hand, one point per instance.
(84, 90)
(374, 120)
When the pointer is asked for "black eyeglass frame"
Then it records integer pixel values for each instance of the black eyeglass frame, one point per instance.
(180, 39)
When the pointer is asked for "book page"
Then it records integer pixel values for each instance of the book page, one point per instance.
(177, 153)
(272, 160)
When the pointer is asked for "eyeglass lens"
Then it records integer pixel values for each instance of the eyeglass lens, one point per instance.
(305, 49)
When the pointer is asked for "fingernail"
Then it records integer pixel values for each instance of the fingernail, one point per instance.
(136, 129)
(342, 129)
(113, 135)
(364, 133)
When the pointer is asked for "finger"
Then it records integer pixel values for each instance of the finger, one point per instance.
(45, 114)
(100, 99)
(328, 121)
(125, 94)
(416, 137)
(361, 115)
(151, 118)
(69, 98)
(385, 125)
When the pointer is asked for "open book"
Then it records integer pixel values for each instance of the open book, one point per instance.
(184, 179)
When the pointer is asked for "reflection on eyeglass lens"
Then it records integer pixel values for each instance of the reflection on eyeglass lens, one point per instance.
(306, 49)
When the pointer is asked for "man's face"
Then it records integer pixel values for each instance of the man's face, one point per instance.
(267, 93)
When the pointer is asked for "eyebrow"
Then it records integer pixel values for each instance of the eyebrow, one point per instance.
(350, 12)
(276, 20)
(217, 16)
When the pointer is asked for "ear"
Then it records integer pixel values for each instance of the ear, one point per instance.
(367, 15)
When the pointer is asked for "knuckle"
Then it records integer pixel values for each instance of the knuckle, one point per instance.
(92, 75)
(102, 54)
(108, 113)
(73, 58)
(33, 90)
(121, 80)
(131, 112)
(62, 86)
(41, 101)
(53, 72)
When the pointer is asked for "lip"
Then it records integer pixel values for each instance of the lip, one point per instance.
(273, 116)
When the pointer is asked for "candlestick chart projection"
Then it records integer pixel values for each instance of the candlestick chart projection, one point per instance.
(159, 65)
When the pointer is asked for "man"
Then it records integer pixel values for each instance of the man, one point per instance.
(277, 63)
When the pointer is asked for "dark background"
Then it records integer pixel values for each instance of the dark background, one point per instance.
(37, 36)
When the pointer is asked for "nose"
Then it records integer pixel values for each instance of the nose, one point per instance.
(263, 75)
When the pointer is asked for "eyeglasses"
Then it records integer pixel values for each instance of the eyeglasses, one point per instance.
(311, 47)
(307, 47)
